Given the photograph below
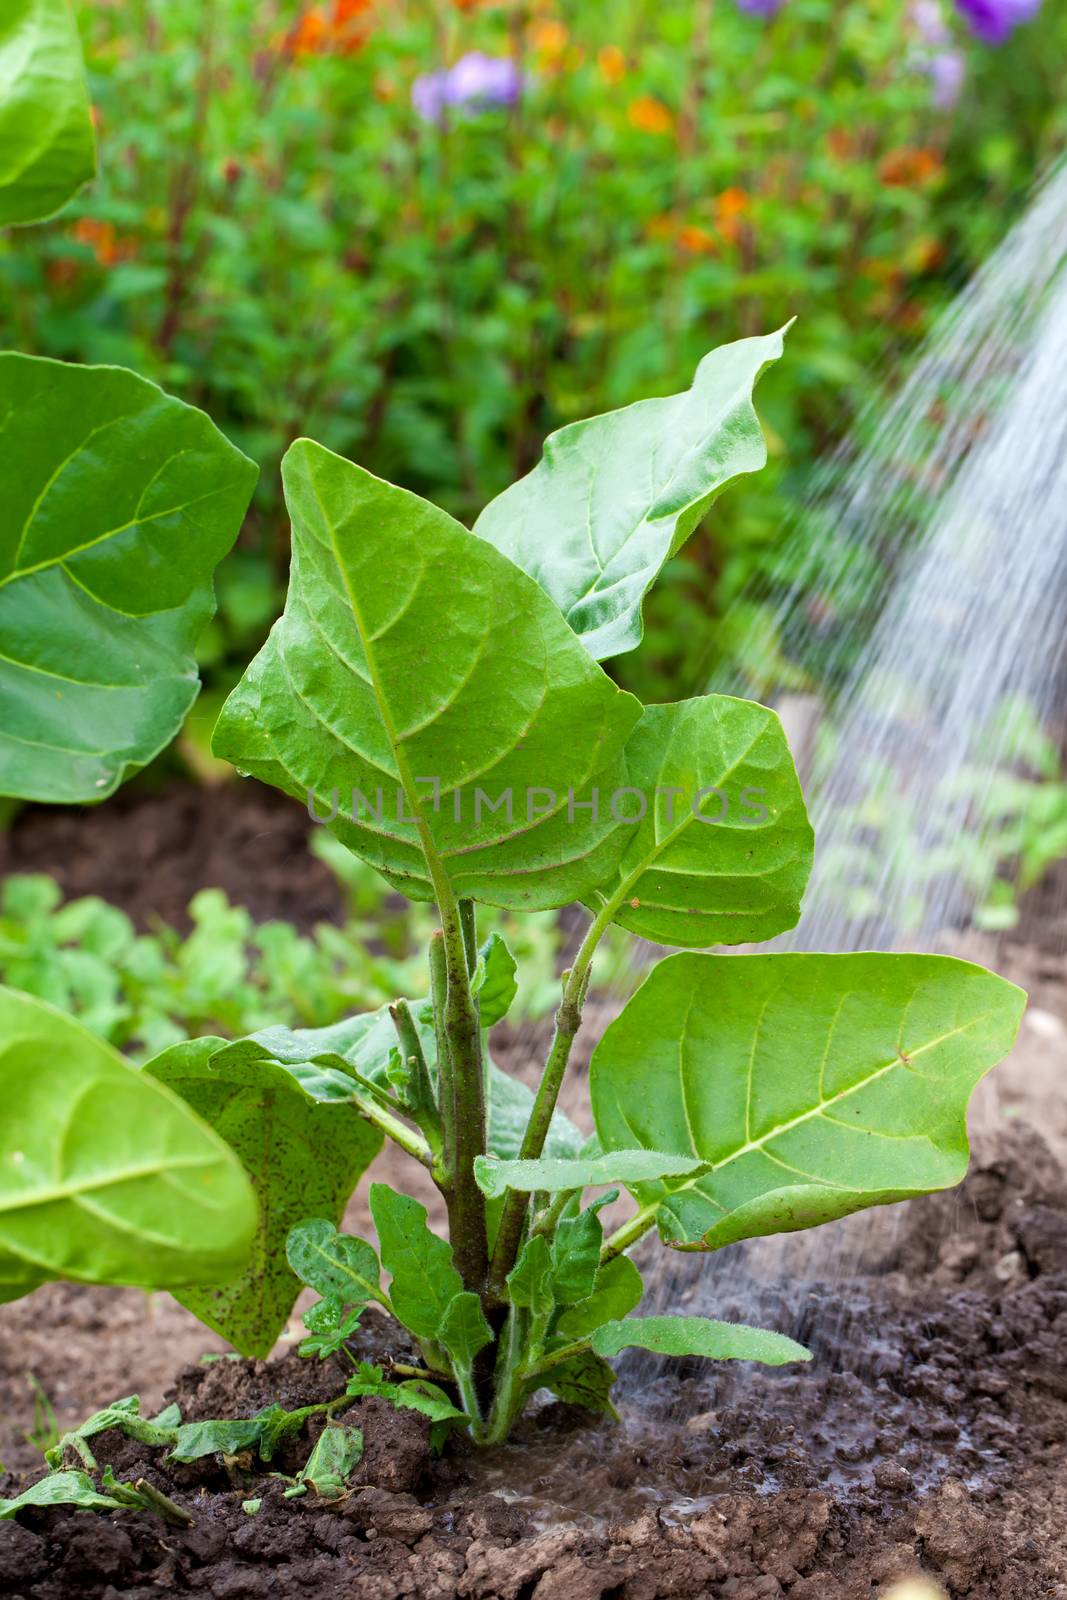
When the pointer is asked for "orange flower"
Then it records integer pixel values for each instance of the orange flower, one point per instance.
(308, 36)
(650, 115)
(611, 63)
(910, 167)
(729, 208)
(548, 36)
(103, 241)
(695, 241)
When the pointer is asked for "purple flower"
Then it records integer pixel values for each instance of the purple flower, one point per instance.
(947, 71)
(760, 8)
(476, 83)
(928, 20)
(993, 20)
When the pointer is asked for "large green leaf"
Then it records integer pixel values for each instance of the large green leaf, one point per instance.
(616, 495)
(118, 503)
(46, 133)
(415, 667)
(814, 1085)
(105, 1175)
(698, 1336)
(304, 1154)
(723, 850)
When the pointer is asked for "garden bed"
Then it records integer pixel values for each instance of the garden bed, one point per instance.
(929, 1434)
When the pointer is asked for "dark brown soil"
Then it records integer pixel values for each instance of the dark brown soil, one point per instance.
(150, 851)
(928, 1436)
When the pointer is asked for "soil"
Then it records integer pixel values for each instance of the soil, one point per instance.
(929, 1434)
(149, 851)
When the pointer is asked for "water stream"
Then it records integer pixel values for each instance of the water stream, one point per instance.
(923, 596)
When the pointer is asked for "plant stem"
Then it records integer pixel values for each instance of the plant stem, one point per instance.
(398, 1131)
(423, 1104)
(466, 1203)
(568, 1020)
(446, 1099)
(620, 1241)
(509, 1385)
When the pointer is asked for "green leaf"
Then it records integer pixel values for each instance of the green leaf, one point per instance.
(301, 1153)
(415, 1394)
(46, 134)
(105, 1176)
(530, 1280)
(510, 1104)
(616, 1290)
(576, 1252)
(387, 674)
(198, 1439)
(494, 980)
(125, 1415)
(60, 1489)
(615, 495)
(813, 1085)
(464, 1330)
(119, 502)
(336, 1453)
(333, 1263)
(264, 1432)
(698, 1336)
(724, 849)
(586, 1380)
(493, 1176)
(425, 1280)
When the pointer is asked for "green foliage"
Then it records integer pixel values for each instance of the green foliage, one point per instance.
(119, 503)
(345, 703)
(337, 1452)
(123, 1415)
(276, 236)
(616, 496)
(697, 1336)
(733, 1096)
(304, 1147)
(60, 1489)
(230, 976)
(723, 849)
(46, 135)
(813, 1085)
(106, 1176)
(424, 1279)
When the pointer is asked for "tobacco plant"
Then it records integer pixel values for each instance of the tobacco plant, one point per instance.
(436, 695)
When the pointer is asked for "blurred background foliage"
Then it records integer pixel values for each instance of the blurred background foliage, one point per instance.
(427, 232)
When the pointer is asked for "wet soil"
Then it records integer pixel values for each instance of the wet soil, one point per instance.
(929, 1435)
